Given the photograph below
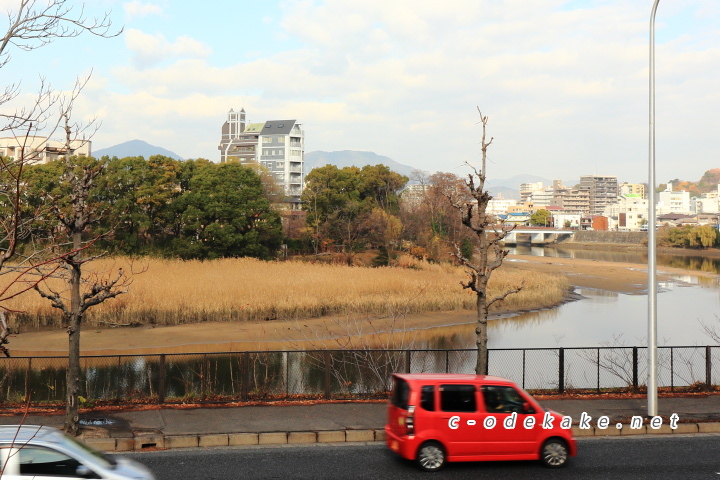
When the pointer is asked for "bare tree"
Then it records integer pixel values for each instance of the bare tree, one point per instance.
(73, 234)
(31, 25)
(490, 252)
(712, 331)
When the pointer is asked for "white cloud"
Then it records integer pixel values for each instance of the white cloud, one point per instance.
(139, 9)
(150, 50)
(566, 90)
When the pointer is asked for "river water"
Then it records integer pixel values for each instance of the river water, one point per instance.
(602, 318)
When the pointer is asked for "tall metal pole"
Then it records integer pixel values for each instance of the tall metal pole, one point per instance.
(652, 221)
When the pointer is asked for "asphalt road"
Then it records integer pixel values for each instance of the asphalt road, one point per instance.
(666, 457)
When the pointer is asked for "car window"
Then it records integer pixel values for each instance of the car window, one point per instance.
(401, 394)
(457, 398)
(502, 399)
(427, 398)
(46, 462)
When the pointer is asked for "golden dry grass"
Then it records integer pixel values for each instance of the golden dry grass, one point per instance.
(172, 292)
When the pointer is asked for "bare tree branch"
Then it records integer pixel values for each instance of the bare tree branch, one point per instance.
(489, 236)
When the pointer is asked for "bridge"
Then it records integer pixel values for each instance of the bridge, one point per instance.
(538, 235)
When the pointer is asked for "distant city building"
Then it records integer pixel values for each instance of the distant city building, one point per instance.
(594, 222)
(706, 203)
(499, 206)
(526, 190)
(672, 202)
(566, 200)
(602, 191)
(37, 149)
(562, 219)
(541, 198)
(415, 194)
(632, 190)
(571, 201)
(277, 145)
(629, 213)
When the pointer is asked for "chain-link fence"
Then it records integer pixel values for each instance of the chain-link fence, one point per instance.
(287, 375)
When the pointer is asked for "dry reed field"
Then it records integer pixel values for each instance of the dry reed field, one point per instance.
(172, 292)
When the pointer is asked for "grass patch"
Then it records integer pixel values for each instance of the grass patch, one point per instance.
(172, 292)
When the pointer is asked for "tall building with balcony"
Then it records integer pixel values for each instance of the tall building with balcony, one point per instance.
(527, 189)
(277, 145)
(602, 191)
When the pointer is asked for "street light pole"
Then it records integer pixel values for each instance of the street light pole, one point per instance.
(652, 262)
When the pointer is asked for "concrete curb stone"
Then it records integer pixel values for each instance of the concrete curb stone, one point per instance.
(331, 436)
(359, 435)
(270, 438)
(141, 442)
(634, 431)
(709, 427)
(215, 440)
(302, 437)
(236, 439)
(181, 441)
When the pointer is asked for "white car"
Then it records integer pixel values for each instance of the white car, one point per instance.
(45, 452)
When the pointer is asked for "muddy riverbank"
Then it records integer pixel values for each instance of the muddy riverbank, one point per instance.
(330, 332)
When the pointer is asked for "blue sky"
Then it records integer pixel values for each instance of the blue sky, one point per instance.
(564, 82)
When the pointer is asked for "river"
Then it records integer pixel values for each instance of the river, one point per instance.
(602, 318)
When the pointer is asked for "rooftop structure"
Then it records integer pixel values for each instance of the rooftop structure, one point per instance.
(37, 149)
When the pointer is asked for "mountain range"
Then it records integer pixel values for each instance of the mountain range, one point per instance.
(507, 187)
(134, 148)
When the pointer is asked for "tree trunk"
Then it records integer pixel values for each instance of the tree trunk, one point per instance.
(72, 409)
(481, 334)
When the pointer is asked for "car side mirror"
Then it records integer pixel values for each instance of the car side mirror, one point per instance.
(527, 408)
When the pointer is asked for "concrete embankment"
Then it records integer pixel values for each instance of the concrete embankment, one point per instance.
(602, 237)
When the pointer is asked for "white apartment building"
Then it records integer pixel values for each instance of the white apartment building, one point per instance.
(629, 213)
(707, 202)
(673, 202)
(415, 194)
(277, 145)
(526, 190)
(563, 219)
(542, 198)
(500, 206)
(37, 149)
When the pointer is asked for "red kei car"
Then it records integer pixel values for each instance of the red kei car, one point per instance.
(434, 418)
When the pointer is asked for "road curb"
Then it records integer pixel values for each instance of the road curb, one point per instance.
(164, 442)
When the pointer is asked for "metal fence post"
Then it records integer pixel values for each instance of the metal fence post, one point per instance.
(708, 367)
(635, 367)
(408, 358)
(27, 379)
(672, 369)
(286, 355)
(161, 379)
(119, 394)
(328, 366)
(561, 371)
(598, 369)
(245, 376)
